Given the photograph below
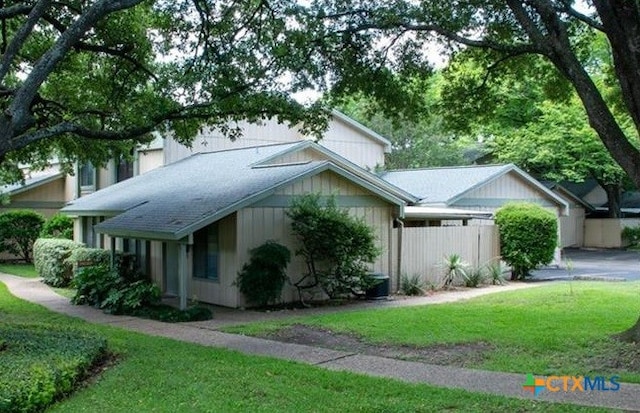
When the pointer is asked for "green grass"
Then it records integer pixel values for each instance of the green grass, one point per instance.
(556, 329)
(21, 270)
(162, 375)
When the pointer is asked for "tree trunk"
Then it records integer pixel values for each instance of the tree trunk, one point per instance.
(613, 200)
(631, 335)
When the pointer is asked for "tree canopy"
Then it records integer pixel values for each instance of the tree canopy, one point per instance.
(86, 79)
(397, 34)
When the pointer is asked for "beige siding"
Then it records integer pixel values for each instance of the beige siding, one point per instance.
(341, 138)
(298, 156)
(510, 187)
(607, 232)
(424, 249)
(223, 291)
(353, 145)
(45, 199)
(149, 160)
(256, 225)
(156, 265)
(572, 228)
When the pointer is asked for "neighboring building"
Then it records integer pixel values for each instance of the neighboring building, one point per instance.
(43, 192)
(192, 222)
(480, 188)
(572, 225)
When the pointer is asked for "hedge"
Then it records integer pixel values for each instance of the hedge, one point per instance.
(528, 236)
(50, 258)
(41, 363)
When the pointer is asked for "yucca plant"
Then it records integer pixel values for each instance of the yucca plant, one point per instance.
(495, 270)
(412, 284)
(455, 269)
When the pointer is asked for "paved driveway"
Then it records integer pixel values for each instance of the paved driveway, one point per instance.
(601, 264)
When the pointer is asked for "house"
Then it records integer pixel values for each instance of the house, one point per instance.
(573, 224)
(192, 223)
(481, 188)
(42, 191)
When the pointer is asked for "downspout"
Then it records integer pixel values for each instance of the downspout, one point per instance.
(399, 252)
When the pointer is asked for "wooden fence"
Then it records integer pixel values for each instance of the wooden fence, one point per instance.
(423, 249)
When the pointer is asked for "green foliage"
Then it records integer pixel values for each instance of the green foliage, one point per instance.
(528, 236)
(58, 226)
(336, 247)
(262, 278)
(473, 277)
(632, 234)
(50, 257)
(455, 270)
(495, 273)
(18, 231)
(92, 256)
(41, 363)
(104, 288)
(168, 314)
(412, 284)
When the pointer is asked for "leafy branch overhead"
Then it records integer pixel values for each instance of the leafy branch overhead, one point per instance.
(103, 74)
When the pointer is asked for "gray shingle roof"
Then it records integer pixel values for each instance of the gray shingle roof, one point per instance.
(175, 200)
(440, 185)
(171, 199)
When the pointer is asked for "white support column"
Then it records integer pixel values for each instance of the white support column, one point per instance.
(182, 275)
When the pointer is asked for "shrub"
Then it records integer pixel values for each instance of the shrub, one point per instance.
(168, 314)
(632, 234)
(262, 278)
(59, 226)
(41, 363)
(50, 256)
(528, 236)
(336, 247)
(412, 285)
(103, 287)
(18, 231)
(95, 256)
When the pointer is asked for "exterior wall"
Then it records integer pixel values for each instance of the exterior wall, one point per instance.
(340, 138)
(572, 228)
(46, 199)
(509, 188)
(353, 145)
(267, 220)
(597, 196)
(423, 248)
(223, 291)
(149, 160)
(607, 232)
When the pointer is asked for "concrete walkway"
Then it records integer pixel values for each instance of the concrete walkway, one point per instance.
(205, 333)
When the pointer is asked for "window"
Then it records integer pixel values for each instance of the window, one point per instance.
(124, 169)
(205, 253)
(87, 175)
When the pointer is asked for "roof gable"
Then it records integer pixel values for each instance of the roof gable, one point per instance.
(445, 186)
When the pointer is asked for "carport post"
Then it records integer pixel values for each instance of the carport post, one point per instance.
(182, 275)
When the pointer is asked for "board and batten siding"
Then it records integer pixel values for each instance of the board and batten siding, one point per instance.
(221, 291)
(424, 248)
(607, 232)
(343, 139)
(572, 228)
(45, 199)
(267, 220)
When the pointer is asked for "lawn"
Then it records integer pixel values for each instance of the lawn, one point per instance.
(21, 270)
(562, 328)
(162, 375)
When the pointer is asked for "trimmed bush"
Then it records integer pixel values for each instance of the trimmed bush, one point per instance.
(59, 226)
(18, 231)
(50, 258)
(95, 256)
(41, 363)
(528, 236)
(412, 284)
(262, 278)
